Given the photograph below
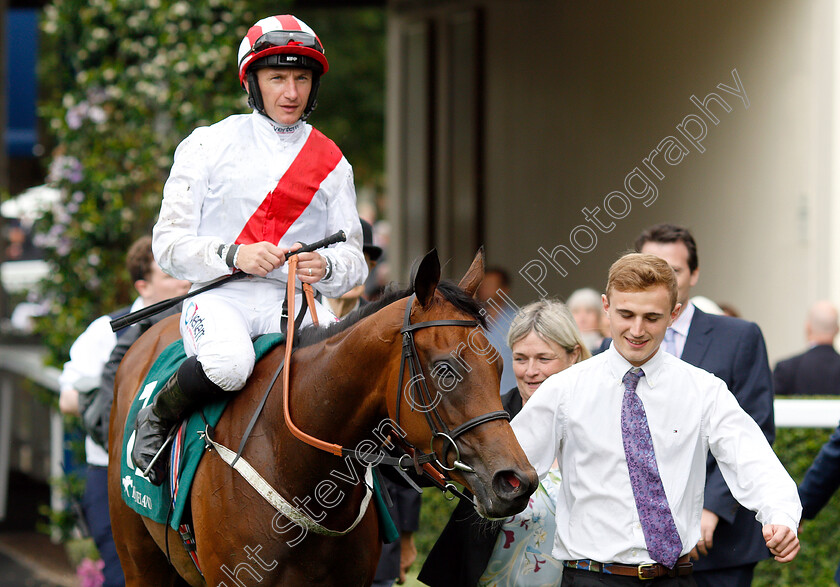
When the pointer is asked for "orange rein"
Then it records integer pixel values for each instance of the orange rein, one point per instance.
(290, 336)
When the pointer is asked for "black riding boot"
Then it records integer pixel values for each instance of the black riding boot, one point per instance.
(185, 391)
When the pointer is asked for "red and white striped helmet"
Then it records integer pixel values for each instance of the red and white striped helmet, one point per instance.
(283, 35)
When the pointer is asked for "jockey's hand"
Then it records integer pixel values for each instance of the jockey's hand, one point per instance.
(260, 258)
(311, 267)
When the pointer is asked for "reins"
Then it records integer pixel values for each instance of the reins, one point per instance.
(251, 475)
(290, 337)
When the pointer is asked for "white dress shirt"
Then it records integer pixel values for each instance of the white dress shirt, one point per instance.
(575, 417)
(679, 329)
(88, 355)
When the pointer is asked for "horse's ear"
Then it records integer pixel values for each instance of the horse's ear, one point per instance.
(474, 275)
(425, 277)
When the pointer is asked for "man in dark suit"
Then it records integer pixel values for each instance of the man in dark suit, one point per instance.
(821, 481)
(817, 370)
(732, 349)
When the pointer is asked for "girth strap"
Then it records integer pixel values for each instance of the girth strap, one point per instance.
(277, 501)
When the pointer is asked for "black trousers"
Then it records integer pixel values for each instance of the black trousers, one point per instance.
(579, 578)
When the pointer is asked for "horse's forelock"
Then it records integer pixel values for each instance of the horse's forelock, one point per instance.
(462, 300)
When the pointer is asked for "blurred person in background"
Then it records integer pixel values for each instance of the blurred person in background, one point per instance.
(817, 370)
(585, 305)
(354, 299)
(81, 376)
(821, 481)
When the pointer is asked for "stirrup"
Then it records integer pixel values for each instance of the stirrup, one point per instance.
(161, 450)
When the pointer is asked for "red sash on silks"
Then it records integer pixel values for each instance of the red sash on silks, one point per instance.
(295, 190)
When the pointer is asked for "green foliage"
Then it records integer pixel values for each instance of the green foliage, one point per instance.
(817, 561)
(124, 82)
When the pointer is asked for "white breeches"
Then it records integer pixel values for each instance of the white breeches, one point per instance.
(218, 326)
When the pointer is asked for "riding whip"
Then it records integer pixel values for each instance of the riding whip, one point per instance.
(143, 313)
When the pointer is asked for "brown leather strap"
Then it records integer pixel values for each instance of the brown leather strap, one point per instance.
(642, 572)
(290, 337)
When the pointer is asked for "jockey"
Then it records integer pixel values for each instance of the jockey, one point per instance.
(241, 194)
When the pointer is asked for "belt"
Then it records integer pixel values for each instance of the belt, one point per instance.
(643, 572)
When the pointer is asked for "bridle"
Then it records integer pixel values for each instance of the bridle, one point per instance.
(437, 426)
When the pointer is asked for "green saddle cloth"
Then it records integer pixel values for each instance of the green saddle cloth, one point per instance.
(155, 502)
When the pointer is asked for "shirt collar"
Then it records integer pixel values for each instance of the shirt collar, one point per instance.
(618, 365)
(683, 321)
(281, 131)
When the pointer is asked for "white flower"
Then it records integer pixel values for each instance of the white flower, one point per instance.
(97, 114)
(99, 34)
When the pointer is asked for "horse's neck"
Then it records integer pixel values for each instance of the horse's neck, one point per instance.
(338, 387)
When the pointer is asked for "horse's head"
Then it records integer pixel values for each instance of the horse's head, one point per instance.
(449, 396)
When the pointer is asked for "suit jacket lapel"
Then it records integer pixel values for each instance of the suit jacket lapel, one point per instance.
(698, 341)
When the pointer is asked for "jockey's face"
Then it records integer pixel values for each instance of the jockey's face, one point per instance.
(285, 92)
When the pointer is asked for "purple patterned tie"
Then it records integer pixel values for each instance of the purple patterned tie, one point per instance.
(663, 541)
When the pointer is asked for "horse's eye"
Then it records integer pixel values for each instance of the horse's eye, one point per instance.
(445, 375)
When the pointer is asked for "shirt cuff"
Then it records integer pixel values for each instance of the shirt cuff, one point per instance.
(782, 519)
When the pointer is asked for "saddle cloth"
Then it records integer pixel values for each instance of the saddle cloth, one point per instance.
(140, 495)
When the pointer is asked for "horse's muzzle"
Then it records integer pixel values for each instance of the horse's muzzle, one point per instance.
(511, 490)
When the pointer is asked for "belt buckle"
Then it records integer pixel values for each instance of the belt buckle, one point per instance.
(641, 569)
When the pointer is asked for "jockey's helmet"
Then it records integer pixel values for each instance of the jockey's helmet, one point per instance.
(280, 41)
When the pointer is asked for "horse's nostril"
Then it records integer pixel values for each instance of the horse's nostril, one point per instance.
(512, 479)
(507, 483)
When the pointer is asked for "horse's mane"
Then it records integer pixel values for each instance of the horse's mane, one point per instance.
(451, 292)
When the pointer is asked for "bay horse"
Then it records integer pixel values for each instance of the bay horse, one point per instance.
(345, 381)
